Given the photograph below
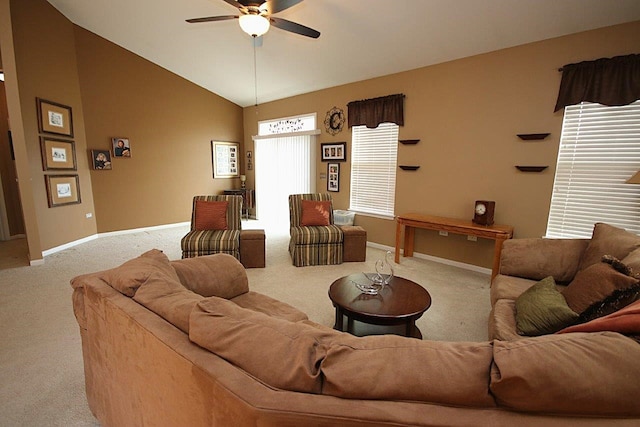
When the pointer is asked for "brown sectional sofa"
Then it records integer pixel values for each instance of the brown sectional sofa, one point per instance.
(175, 343)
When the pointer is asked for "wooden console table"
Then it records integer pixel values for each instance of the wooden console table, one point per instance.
(411, 221)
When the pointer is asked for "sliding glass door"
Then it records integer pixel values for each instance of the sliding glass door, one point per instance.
(284, 165)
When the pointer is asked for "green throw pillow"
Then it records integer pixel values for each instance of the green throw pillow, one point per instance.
(542, 309)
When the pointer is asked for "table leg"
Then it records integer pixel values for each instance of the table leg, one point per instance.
(338, 325)
(409, 233)
(398, 233)
(496, 257)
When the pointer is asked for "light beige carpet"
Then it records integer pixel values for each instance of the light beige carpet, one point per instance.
(41, 372)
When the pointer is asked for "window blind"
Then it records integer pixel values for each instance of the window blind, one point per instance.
(374, 155)
(599, 151)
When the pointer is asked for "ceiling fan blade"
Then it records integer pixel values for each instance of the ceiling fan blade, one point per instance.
(234, 3)
(275, 6)
(286, 25)
(211, 19)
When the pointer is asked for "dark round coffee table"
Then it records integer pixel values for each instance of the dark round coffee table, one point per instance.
(401, 302)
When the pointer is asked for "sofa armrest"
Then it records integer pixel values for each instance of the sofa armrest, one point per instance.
(537, 258)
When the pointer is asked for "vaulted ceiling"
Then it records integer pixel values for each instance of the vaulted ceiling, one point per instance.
(360, 39)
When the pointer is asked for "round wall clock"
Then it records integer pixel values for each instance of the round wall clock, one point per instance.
(334, 121)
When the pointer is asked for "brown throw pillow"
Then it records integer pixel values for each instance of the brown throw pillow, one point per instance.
(633, 261)
(608, 240)
(219, 275)
(594, 284)
(315, 213)
(210, 215)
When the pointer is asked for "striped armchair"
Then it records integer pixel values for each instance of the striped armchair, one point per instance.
(206, 242)
(313, 245)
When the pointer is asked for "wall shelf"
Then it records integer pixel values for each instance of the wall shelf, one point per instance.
(533, 136)
(409, 168)
(531, 168)
(408, 141)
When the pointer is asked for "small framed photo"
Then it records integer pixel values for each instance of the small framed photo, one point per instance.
(54, 118)
(101, 159)
(225, 160)
(57, 154)
(334, 152)
(62, 190)
(121, 147)
(333, 177)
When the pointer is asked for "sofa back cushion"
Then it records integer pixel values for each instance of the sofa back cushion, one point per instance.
(128, 277)
(397, 368)
(536, 258)
(280, 353)
(168, 299)
(608, 240)
(219, 275)
(581, 373)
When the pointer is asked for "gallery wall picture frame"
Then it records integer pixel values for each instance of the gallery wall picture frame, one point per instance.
(54, 118)
(333, 151)
(62, 190)
(121, 147)
(57, 154)
(333, 177)
(101, 159)
(225, 159)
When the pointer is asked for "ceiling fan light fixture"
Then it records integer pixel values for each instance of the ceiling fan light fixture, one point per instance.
(254, 25)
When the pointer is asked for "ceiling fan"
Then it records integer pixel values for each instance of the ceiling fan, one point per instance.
(256, 17)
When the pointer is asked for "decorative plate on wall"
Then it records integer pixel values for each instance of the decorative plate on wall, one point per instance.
(334, 121)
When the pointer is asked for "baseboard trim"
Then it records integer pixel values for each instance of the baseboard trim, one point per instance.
(439, 260)
(95, 236)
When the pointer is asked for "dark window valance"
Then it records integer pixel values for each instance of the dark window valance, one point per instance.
(372, 112)
(607, 81)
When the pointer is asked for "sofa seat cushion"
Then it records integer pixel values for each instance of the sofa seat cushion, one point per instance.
(391, 367)
(219, 275)
(128, 277)
(211, 241)
(502, 321)
(542, 309)
(282, 354)
(270, 306)
(168, 299)
(608, 240)
(315, 235)
(581, 373)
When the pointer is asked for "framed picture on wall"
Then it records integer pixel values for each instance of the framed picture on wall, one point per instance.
(333, 177)
(334, 152)
(100, 159)
(57, 154)
(54, 118)
(225, 160)
(62, 190)
(121, 147)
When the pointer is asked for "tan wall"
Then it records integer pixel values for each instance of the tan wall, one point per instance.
(46, 66)
(466, 114)
(169, 122)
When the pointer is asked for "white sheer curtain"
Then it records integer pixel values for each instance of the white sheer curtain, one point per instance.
(284, 165)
